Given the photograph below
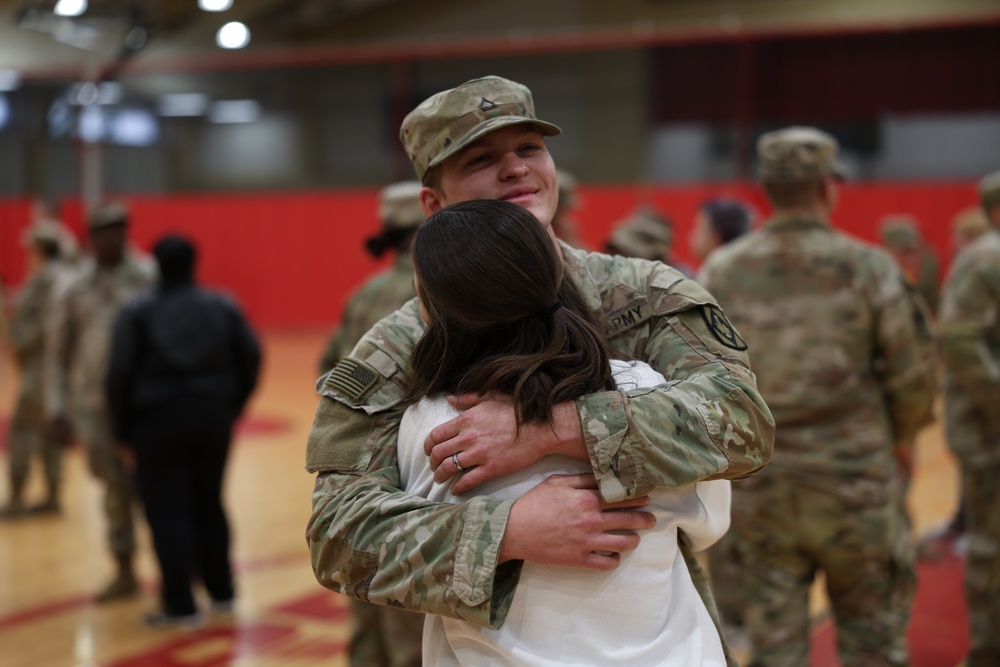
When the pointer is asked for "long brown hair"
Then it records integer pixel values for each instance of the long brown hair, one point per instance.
(503, 314)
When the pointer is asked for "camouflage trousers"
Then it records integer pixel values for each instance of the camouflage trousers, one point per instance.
(785, 534)
(29, 436)
(982, 568)
(385, 636)
(93, 430)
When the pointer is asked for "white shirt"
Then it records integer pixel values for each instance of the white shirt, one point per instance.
(646, 612)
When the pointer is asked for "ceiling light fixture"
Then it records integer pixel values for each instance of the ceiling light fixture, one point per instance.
(215, 5)
(70, 7)
(233, 35)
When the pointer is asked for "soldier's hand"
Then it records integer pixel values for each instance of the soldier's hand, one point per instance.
(486, 439)
(563, 522)
(61, 429)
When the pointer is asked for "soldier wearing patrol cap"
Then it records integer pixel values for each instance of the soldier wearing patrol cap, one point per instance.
(76, 359)
(49, 244)
(647, 235)
(382, 635)
(901, 236)
(970, 349)
(370, 540)
(849, 376)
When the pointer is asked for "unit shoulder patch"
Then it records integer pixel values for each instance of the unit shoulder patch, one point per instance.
(721, 329)
(352, 378)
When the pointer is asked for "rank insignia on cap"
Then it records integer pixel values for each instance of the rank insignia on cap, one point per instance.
(487, 105)
(352, 378)
(721, 328)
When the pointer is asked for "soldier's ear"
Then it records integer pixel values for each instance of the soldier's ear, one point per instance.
(431, 200)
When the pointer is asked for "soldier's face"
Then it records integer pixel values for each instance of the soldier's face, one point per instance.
(703, 238)
(511, 163)
(108, 244)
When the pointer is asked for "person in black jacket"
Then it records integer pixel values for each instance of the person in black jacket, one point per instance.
(183, 364)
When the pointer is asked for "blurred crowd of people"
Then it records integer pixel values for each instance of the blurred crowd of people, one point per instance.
(147, 372)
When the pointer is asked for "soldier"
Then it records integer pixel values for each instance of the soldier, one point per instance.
(400, 215)
(950, 537)
(901, 237)
(847, 369)
(369, 540)
(78, 338)
(970, 348)
(647, 235)
(29, 433)
(564, 221)
(382, 635)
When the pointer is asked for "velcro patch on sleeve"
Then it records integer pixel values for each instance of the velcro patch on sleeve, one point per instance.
(720, 327)
(352, 378)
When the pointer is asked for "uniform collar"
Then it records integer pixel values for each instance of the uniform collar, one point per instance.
(577, 268)
(785, 222)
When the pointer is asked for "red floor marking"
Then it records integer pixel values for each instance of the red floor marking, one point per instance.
(323, 605)
(40, 613)
(256, 426)
(938, 633)
(71, 604)
(214, 647)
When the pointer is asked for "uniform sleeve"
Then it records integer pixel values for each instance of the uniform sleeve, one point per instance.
(904, 354)
(970, 328)
(60, 336)
(707, 421)
(370, 540)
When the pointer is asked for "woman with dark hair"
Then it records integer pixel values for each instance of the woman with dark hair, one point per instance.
(503, 317)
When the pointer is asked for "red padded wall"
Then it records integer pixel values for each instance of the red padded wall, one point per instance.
(291, 258)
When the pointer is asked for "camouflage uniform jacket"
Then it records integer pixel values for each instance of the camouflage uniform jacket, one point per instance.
(32, 307)
(970, 334)
(78, 334)
(372, 541)
(380, 295)
(842, 351)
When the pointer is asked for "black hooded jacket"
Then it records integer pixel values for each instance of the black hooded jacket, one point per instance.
(179, 341)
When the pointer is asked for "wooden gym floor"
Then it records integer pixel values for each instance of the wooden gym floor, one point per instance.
(50, 566)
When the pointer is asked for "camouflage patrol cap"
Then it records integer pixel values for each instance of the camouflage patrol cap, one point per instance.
(399, 205)
(43, 231)
(970, 223)
(645, 234)
(989, 190)
(900, 231)
(106, 215)
(797, 154)
(445, 123)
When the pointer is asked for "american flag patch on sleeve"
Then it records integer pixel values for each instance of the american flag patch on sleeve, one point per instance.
(352, 378)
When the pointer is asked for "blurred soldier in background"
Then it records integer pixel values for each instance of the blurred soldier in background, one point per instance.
(645, 234)
(970, 348)
(183, 364)
(49, 245)
(76, 362)
(950, 537)
(901, 236)
(848, 373)
(967, 226)
(382, 636)
(564, 221)
(718, 221)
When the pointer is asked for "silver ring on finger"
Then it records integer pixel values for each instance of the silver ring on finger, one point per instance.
(458, 466)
